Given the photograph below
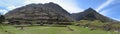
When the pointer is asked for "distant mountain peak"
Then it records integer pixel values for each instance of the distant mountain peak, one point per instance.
(90, 10)
(34, 4)
(51, 3)
(91, 14)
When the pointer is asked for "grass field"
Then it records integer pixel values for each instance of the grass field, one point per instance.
(52, 30)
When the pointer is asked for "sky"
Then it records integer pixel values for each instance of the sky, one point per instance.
(109, 8)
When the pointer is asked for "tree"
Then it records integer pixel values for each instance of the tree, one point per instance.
(2, 18)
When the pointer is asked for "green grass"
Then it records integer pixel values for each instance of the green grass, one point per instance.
(51, 30)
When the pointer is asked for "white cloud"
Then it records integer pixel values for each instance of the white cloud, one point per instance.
(117, 19)
(11, 7)
(3, 11)
(8, 8)
(105, 12)
(104, 5)
(69, 5)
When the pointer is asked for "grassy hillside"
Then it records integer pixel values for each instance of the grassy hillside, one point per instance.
(51, 30)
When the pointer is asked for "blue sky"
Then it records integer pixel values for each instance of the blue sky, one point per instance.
(109, 8)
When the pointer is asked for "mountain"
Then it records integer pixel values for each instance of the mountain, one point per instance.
(91, 14)
(52, 12)
(48, 11)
